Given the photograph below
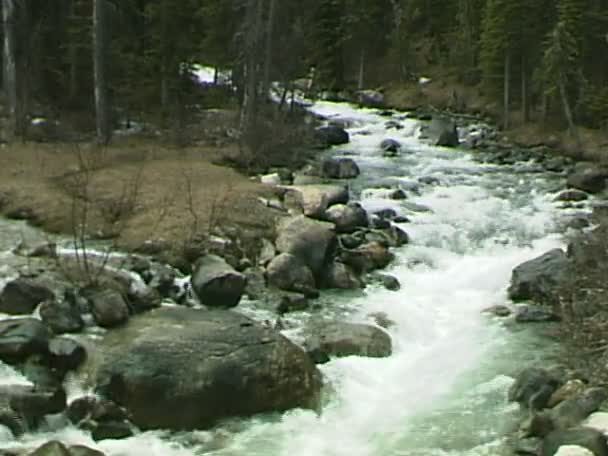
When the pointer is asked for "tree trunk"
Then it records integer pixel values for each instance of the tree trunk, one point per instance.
(525, 105)
(268, 48)
(164, 66)
(9, 17)
(100, 65)
(250, 72)
(506, 94)
(567, 111)
(361, 78)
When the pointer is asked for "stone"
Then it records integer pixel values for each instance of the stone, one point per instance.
(22, 296)
(340, 168)
(341, 339)
(529, 383)
(331, 135)
(347, 218)
(572, 411)
(367, 257)
(566, 391)
(292, 302)
(572, 195)
(573, 450)
(143, 298)
(598, 421)
(587, 438)
(216, 283)
(538, 279)
(588, 177)
(109, 308)
(382, 319)
(498, 311)
(52, 448)
(81, 450)
(339, 276)
(370, 98)
(312, 242)
(233, 365)
(111, 430)
(535, 314)
(386, 280)
(287, 272)
(66, 354)
(22, 337)
(313, 200)
(61, 316)
(390, 147)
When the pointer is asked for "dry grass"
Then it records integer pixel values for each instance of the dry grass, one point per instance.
(43, 180)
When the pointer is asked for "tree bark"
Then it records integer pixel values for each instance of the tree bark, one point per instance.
(506, 94)
(567, 111)
(268, 48)
(525, 106)
(361, 78)
(9, 18)
(250, 72)
(102, 108)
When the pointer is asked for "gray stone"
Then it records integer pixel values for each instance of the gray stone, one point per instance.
(588, 177)
(313, 200)
(340, 168)
(287, 272)
(347, 217)
(587, 438)
(22, 296)
(538, 279)
(61, 316)
(216, 283)
(22, 337)
(109, 308)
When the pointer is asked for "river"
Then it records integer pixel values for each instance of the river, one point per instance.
(443, 391)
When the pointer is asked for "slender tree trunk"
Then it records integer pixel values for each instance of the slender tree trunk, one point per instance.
(525, 105)
(361, 78)
(506, 94)
(250, 71)
(164, 66)
(567, 111)
(100, 65)
(268, 48)
(9, 17)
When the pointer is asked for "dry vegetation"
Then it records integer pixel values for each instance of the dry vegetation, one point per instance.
(133, 191)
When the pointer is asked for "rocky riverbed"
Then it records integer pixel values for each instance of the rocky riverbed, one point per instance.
(365, 308)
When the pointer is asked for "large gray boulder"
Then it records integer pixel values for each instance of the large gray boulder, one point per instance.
(61, 316)
(311, 241)
(533, 387)
(22, 296)
(313, 200)
(208, 365)
(589, 177)
(588, 438)
(370, 98)
(287, 272)
(216, 283)
(29, 404)
(348, 218)
(339, 276)
(390, 147)
(539, 279)
(109, 308)
(367, 257)
(340, 168)
(347, 339)
(442, 132)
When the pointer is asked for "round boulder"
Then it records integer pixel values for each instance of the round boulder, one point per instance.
(539, 278)
(22, 296)
(340, 168)
(109, 308)
(209, 365)
(287, 272)
(331, 135)
(390, 147)
(61, 316)
(347, 217)
(22, 337)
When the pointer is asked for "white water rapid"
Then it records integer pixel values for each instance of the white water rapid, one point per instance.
(443, 391)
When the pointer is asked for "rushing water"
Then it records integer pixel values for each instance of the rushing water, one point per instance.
(443, 391)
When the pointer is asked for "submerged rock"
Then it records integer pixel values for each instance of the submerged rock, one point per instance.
(390, 147)
(180, 358)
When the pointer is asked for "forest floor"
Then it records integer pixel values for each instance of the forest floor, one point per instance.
(132, 191)
(445, 93)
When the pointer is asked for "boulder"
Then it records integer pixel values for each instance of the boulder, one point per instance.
(313, 200)
(312, 242)
(598, 421)
(387, 281)
(209, 365)
(347, 217)
(66, 354)
(448, 138)
(39, 370)
(143, 298)
(370, 98)
(347, 339)
(22, 337)
(572, 195)
(442, 132)
(81, 450)
(572, 411)
(61, 316)
(216, 283)
(30, 404)
(22, 296)
(287, 272)
(109, 308)
(538, 279)
(587, 438)
(535, 314)
(367, 257)
(588, 177)
(292, 302)
(390, 147)
(569, 389)
(533, 388)
(340, 168)
(572, 450)
(339, 276)
(331, 135)
(397, 194)
(93, 408)
(52, 448)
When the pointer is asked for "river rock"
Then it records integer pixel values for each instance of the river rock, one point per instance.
(573, 450)
(498, 311)
(367, 257)
(288, 272)
(30, 404)
(109, 308)
(587, 438)
(386, 214)
(61, 316)
(52, 448)
(386, 280)
(292, 302)
(535, 314)
(588, 177)
(216, 283)
(66, 354)
(340, 168)
(598, 421)
(313, 200)
(572, 195)
(331, 135)
(531, 385)
(347, 339)
(312, 242)
(390, 147)
(339, 276)
(178, 358)
(143, 298)
(539, 279)
(22, 337)
(370, 98)
(22, 296)
(81, 450)
(347, 217)
(566, 391)
(575, 409)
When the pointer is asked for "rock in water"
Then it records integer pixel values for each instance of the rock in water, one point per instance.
(216, 283)
(331, 136)
(589, 178)
(22, 337)
(109, 308)
(22, 296)
(340, 168)
(538, 279)
(208, 365)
